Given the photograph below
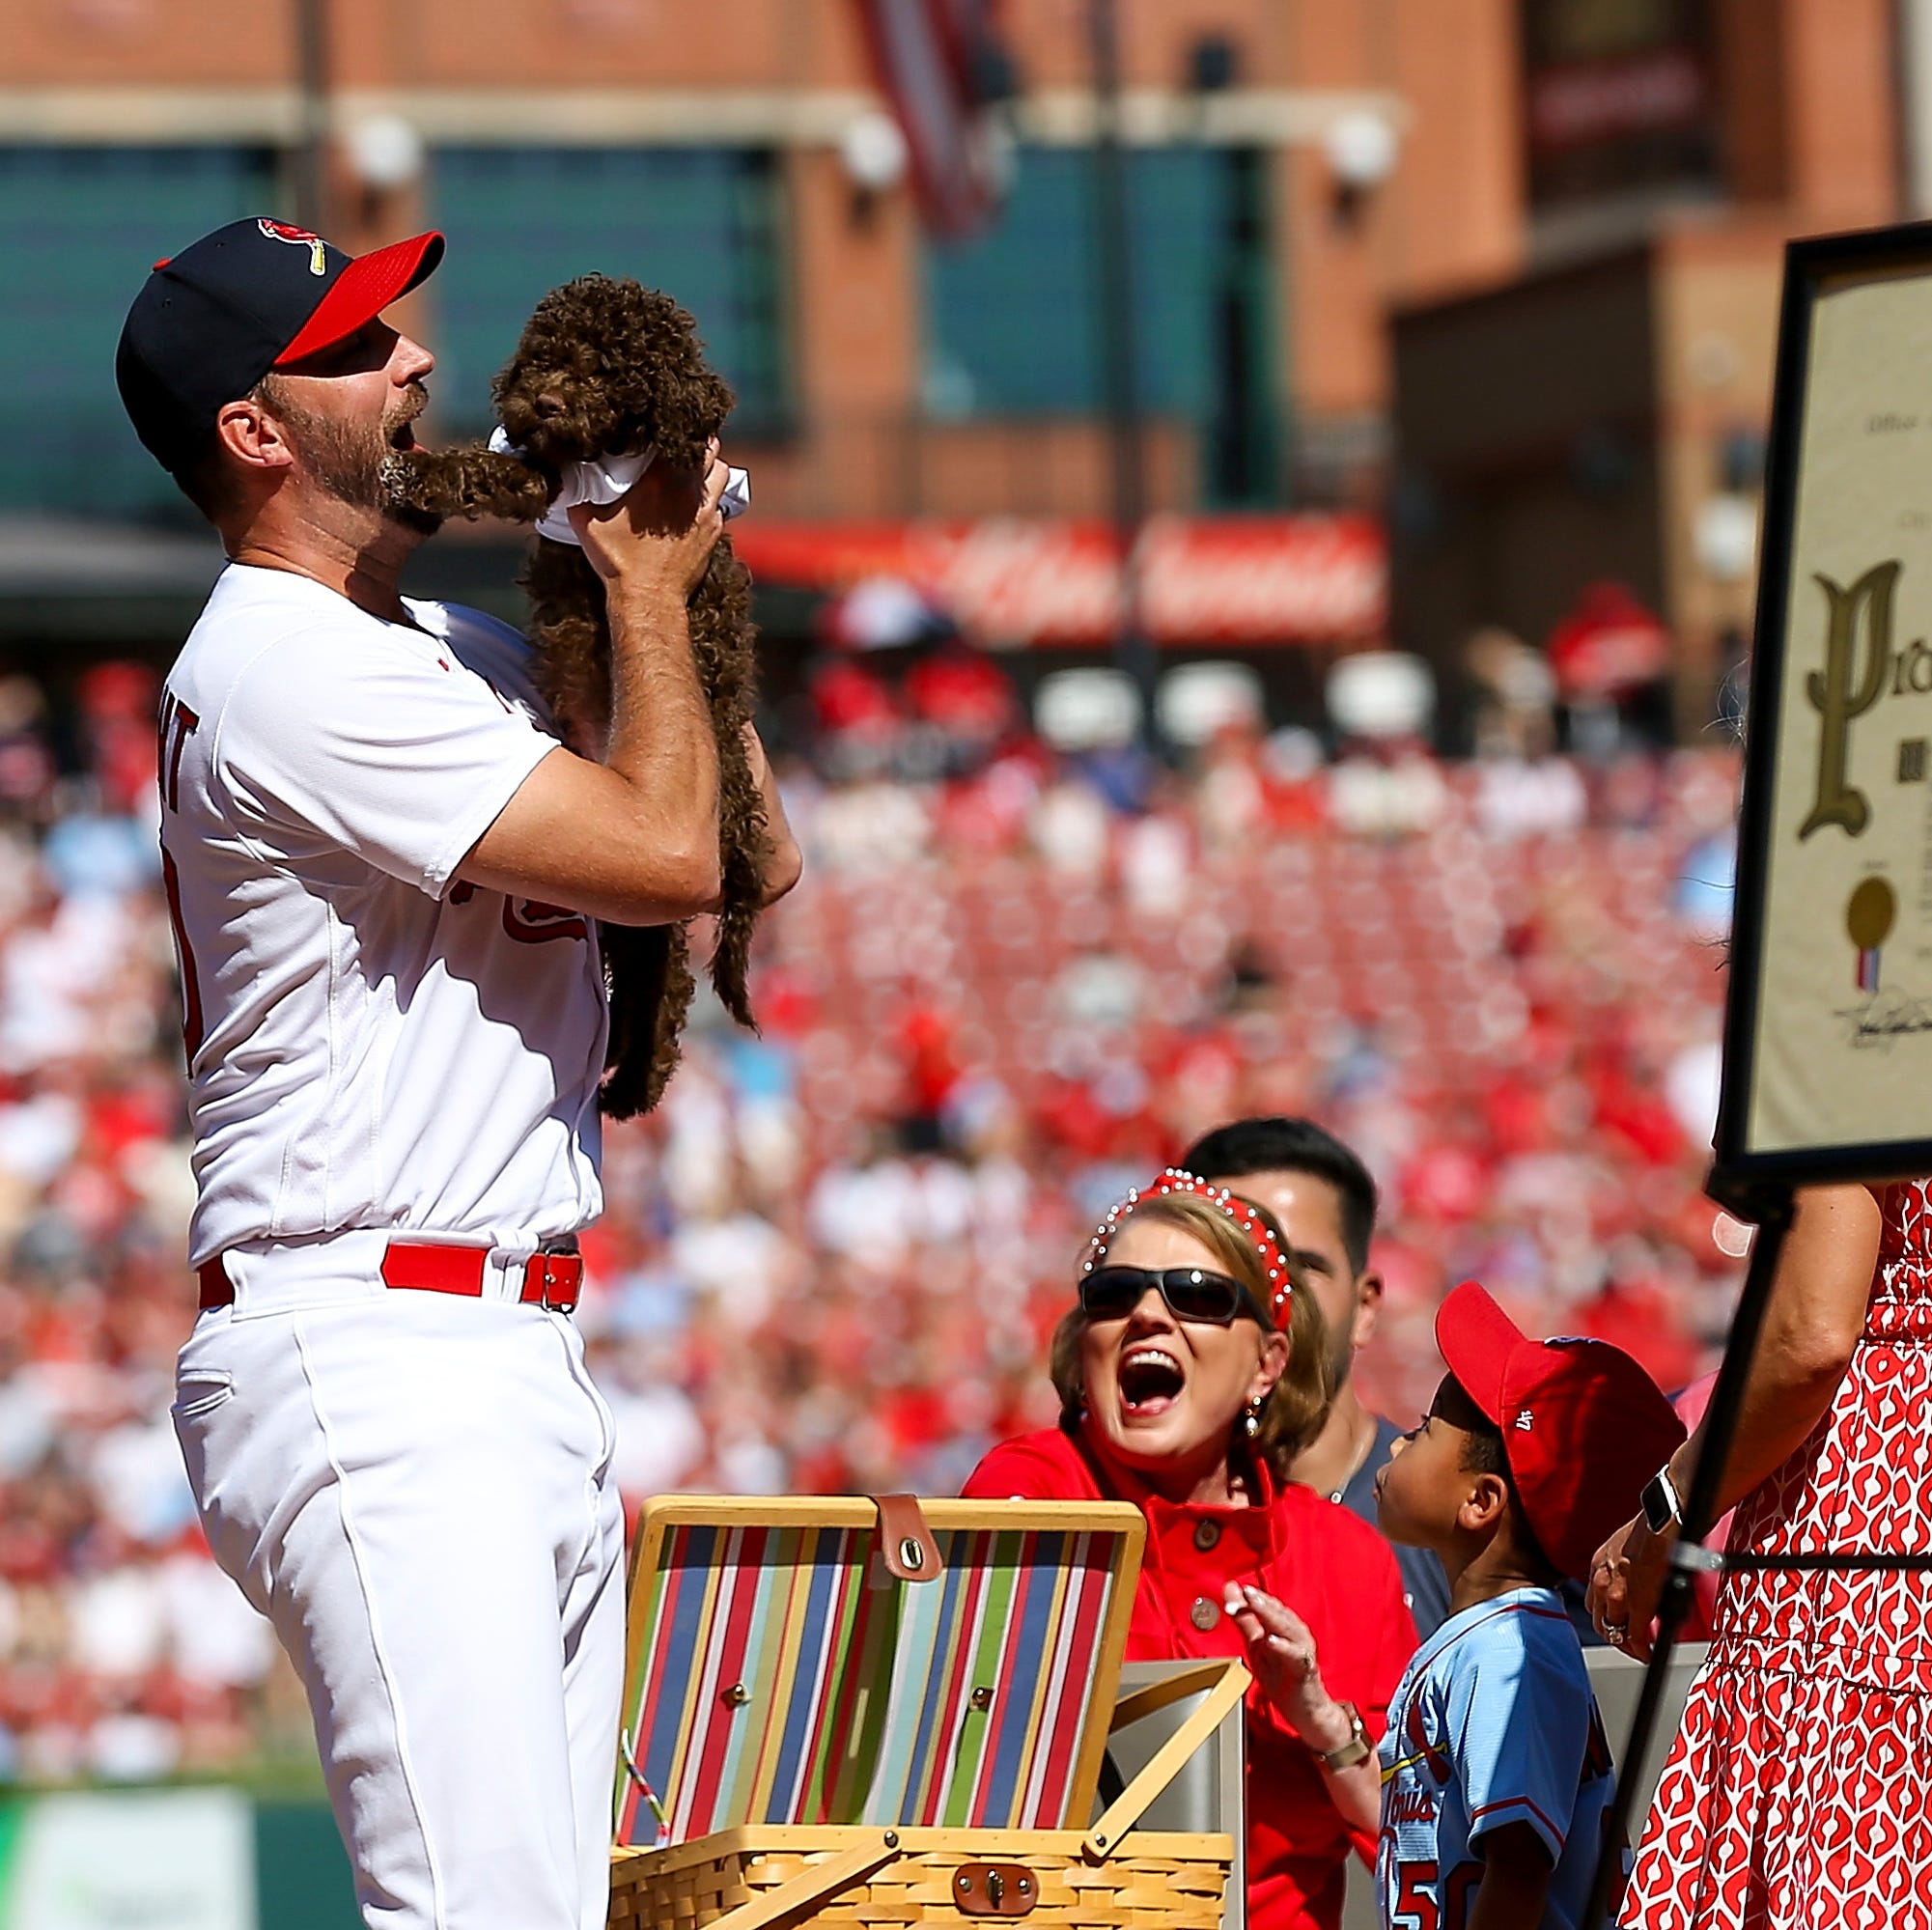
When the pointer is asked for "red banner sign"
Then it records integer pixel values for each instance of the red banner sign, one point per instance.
(1203, 580)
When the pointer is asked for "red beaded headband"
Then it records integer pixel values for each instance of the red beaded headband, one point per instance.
(1174, 1181)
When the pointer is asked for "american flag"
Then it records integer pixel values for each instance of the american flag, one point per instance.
(939, 64)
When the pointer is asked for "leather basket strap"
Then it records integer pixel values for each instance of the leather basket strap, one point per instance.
(905, 1542)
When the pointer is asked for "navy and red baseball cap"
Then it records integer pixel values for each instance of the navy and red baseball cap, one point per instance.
(209, 322)
(1583, 1426)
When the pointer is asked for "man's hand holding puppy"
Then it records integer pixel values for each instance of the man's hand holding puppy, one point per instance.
(658, 778)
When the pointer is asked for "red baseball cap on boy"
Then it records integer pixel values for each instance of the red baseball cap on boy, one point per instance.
(1583, 1426)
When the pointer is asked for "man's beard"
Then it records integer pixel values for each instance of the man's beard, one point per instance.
(1341, 1364)
(1341, 1361)
(348, 461)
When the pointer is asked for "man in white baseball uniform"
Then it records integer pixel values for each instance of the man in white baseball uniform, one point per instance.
(385, 869)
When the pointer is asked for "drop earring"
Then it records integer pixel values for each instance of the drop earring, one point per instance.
(1250, 1421)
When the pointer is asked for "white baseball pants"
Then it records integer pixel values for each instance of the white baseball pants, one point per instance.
(415, 1489)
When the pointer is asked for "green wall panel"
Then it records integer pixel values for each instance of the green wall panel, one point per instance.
(78, 230)
(1012, 327)
(703, 224)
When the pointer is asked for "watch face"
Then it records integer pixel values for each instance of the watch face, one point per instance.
(1657, 1510)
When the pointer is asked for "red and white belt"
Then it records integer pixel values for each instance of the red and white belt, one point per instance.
(550, 1280)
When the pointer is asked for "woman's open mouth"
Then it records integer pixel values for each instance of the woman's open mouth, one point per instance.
(1151, 1380)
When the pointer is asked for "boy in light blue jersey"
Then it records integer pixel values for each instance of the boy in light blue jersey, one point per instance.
(1496, 1776)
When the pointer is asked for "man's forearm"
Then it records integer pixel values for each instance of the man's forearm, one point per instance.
(661, 742)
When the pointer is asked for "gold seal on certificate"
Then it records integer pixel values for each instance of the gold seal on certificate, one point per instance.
(1828, 1050)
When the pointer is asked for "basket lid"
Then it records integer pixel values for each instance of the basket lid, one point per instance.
(779, 1672)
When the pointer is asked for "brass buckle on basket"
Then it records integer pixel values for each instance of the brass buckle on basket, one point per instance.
(995, 1889)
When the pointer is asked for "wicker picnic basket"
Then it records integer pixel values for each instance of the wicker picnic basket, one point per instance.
(849, 1714)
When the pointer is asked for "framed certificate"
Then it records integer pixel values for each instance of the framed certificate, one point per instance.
(1827, 1030)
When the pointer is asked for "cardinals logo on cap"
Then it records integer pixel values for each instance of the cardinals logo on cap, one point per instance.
(286, 231)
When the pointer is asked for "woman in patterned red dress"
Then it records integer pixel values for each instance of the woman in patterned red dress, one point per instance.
(1800, 1788)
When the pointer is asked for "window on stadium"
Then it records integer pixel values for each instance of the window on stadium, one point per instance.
(79, 227)
(1012, 321)
(701, 223)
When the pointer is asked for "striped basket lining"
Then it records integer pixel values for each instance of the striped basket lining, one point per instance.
(858, 1702)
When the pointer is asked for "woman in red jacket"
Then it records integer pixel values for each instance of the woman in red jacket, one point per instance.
(1187, 1373)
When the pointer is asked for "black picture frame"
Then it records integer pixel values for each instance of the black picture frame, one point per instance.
(1744, 1174)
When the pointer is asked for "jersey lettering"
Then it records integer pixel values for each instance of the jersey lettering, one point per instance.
(178, 724)
(192, 1014)
(531, 922)
(1415, 1905)
(1459, 1895)
(178, 721)
(1412, 1805)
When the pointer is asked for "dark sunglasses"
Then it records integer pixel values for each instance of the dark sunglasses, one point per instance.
(1192, 1292)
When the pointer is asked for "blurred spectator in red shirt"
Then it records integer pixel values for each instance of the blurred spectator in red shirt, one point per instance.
(963, 694)
(118, 703)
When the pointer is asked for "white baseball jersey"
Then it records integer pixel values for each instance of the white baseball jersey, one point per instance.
(368, 1046)
(1493, 1722)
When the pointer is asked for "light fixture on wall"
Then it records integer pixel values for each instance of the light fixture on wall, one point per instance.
(1724, 537)
(1362, 148)
(383, 154)
(873, 153)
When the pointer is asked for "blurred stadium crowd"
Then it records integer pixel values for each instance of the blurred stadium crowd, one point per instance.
(1014, 984)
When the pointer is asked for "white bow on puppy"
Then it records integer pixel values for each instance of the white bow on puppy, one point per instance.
(604, 482)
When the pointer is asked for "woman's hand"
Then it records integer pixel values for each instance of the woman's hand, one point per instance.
(1281, 1657)
(1626, 1583)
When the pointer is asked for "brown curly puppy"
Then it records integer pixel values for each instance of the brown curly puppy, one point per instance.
(605, 368)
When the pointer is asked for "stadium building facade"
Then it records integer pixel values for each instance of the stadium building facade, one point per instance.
(1299, 176)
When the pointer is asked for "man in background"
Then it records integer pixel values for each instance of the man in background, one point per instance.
(1326, 1202)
